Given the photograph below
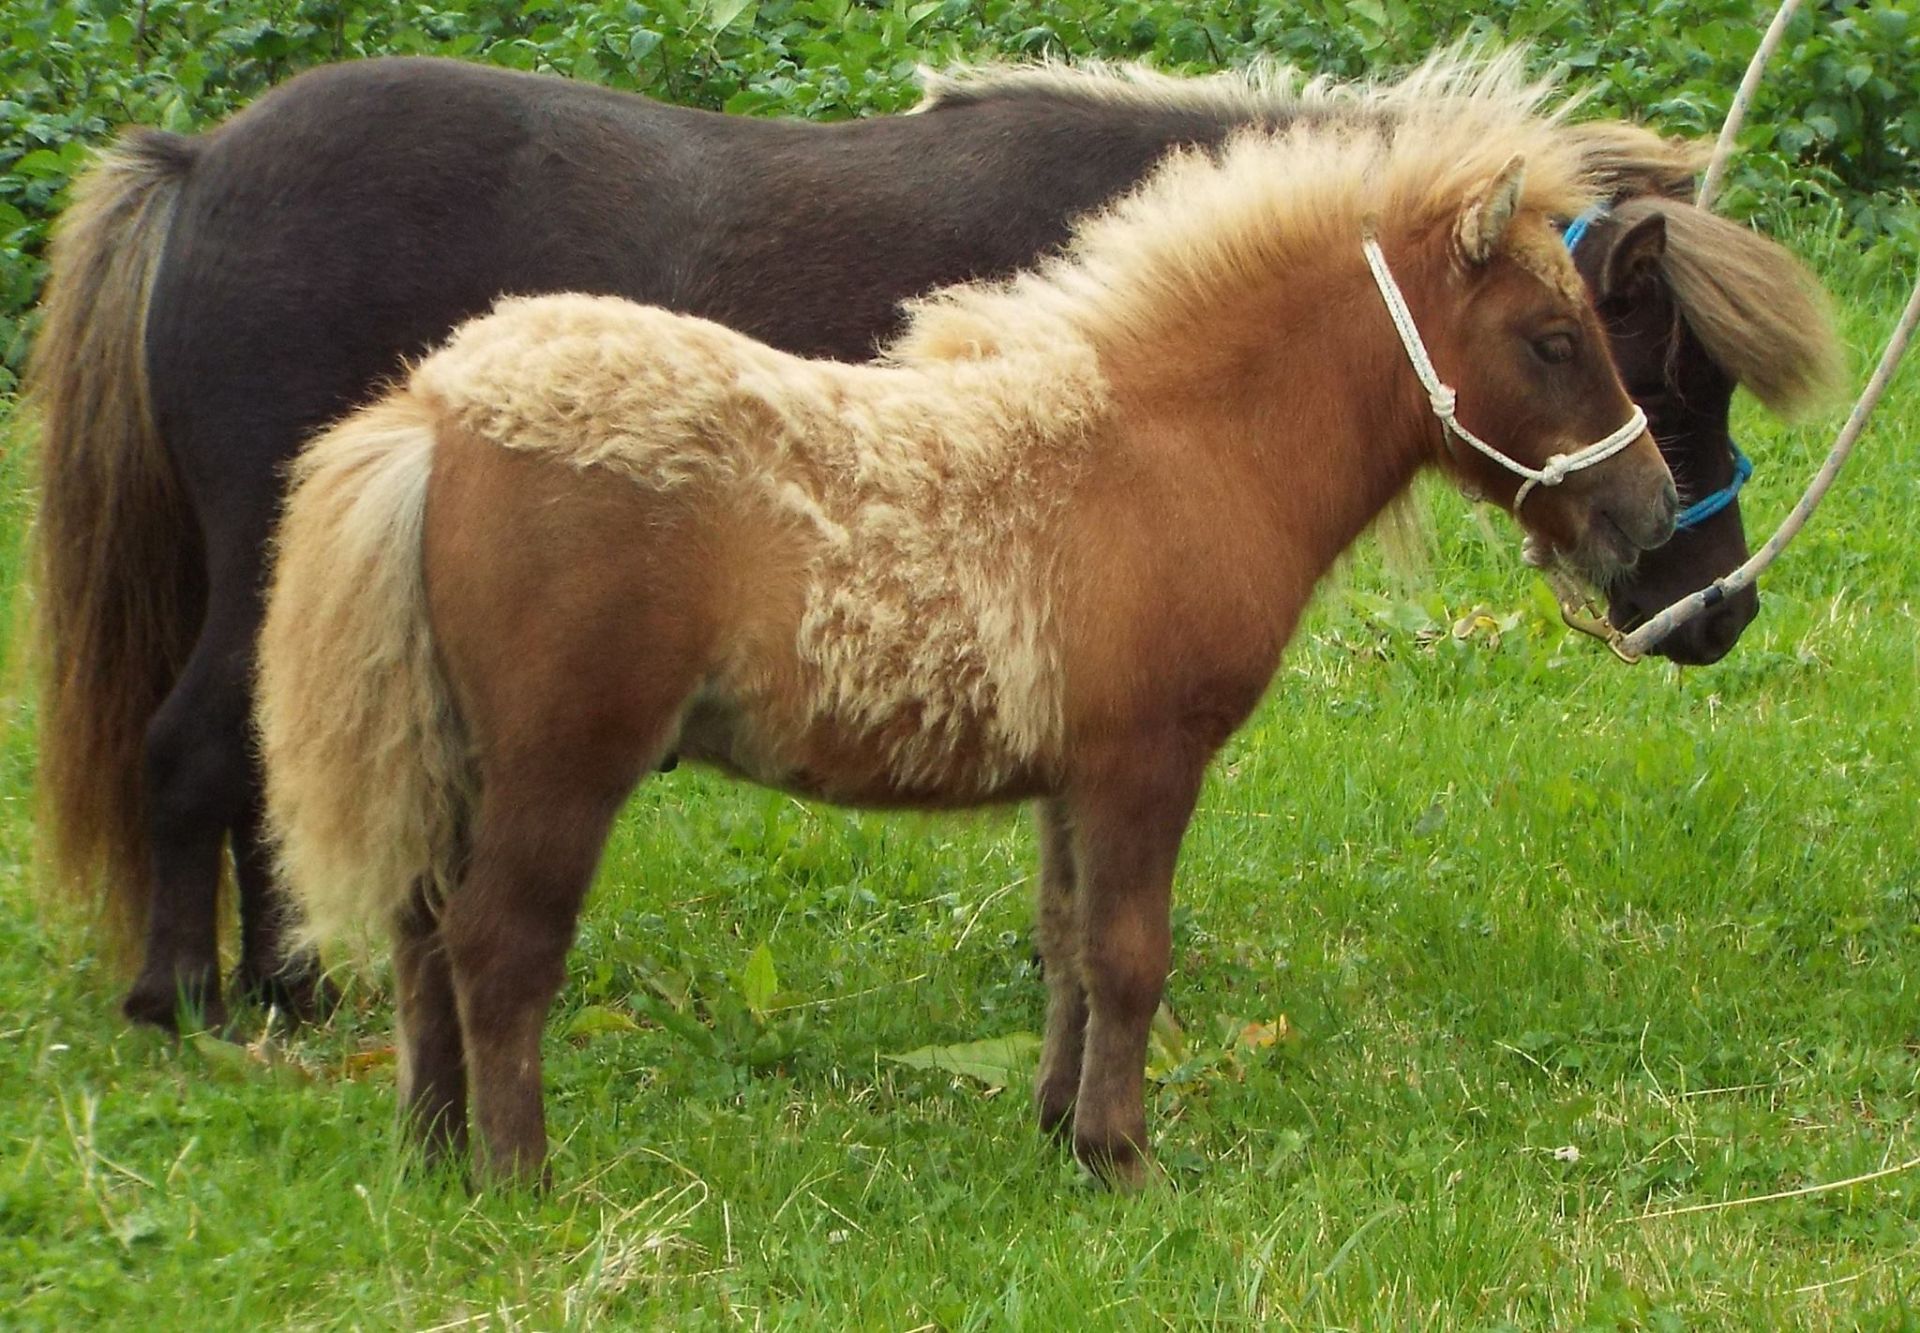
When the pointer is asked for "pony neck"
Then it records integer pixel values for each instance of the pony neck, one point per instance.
(1301, 400)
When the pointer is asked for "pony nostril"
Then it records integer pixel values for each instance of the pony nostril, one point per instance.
(1668, 520)
(1700, 642)
(1663, 516)
(1705, 641)
(1646, 525)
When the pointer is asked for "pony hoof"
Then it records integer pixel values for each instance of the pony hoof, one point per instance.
(176, 1005)
(1055, 1116)
(510, 1171)
(300, 993)
(1123, 1168)
(442, 1155)
(536, 1183)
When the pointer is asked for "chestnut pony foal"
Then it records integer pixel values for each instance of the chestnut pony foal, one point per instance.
(1049, 548)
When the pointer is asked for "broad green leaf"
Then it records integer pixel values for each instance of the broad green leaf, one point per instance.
(598, 1019)
(759, 982)
(723, 12)
(41, 162)
(995, 1061)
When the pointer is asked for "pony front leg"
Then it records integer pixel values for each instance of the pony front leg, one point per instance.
(1126, 838)
(1058, 934)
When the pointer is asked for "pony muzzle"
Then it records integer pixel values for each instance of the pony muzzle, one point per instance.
(1644, 507)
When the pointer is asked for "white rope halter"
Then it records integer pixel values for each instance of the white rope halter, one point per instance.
(1442, 398)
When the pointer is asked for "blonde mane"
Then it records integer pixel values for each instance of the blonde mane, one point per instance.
(1264, 86)
(1761, 316)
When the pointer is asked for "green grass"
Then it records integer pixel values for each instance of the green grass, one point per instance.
(1560, 946)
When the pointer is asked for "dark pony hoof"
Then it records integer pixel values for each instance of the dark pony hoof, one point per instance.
(1055, 1114)
(300, 991)
(1124, 1168)
(176, 1004)
(1056, 1127)
(515, 1182)
(441, 1156)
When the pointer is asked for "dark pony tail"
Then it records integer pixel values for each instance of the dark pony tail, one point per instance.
(117, 553)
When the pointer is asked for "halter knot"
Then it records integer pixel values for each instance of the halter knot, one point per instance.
(1441, 400)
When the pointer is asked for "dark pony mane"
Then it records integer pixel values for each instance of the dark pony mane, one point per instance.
(1277, 190)
(1760, 314)
(1621, 158)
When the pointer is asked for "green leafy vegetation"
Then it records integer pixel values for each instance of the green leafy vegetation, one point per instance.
(1836, 129)
(1490, 954)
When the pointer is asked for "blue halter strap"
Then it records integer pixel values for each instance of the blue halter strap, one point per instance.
(1707, 505)
(1578, 227)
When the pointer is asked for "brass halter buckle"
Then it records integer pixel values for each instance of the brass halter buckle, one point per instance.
(1578, 612)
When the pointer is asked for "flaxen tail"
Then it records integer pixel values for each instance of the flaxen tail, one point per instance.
(121, 581)
(368, 774)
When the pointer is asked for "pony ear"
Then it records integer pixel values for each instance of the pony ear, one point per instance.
(1636, 256)
(1489, 212)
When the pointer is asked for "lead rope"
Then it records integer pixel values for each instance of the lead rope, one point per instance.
(1632, 647)
(1443, 400)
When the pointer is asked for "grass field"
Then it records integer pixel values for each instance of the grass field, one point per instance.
(1493, 960)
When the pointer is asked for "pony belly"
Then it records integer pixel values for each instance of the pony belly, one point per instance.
(841, 761)
(717, 731)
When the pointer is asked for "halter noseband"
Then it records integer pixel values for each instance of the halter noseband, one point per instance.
(1707, 505)
(1442, 398)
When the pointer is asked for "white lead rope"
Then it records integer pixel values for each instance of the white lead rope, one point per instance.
(1631, 647)
(1443, 399)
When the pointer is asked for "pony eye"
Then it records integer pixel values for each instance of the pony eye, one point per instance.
(1554, 349)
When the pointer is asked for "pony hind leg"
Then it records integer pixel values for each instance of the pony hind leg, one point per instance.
(203, 794)
(196, 774)
(552, 778)
(1058, 935)
(605, 592)
(291, 983)
(433, 1055)
(507, 929)
(204, 790)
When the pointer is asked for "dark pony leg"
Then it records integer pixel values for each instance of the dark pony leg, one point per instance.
(269, 975)
(196, 782)
(203, 785)
(507, 929)
(1059, 937)
(1127, 828)
(433, 1057)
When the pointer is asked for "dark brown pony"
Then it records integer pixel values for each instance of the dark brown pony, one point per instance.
(1049, 549)
(217, 299)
